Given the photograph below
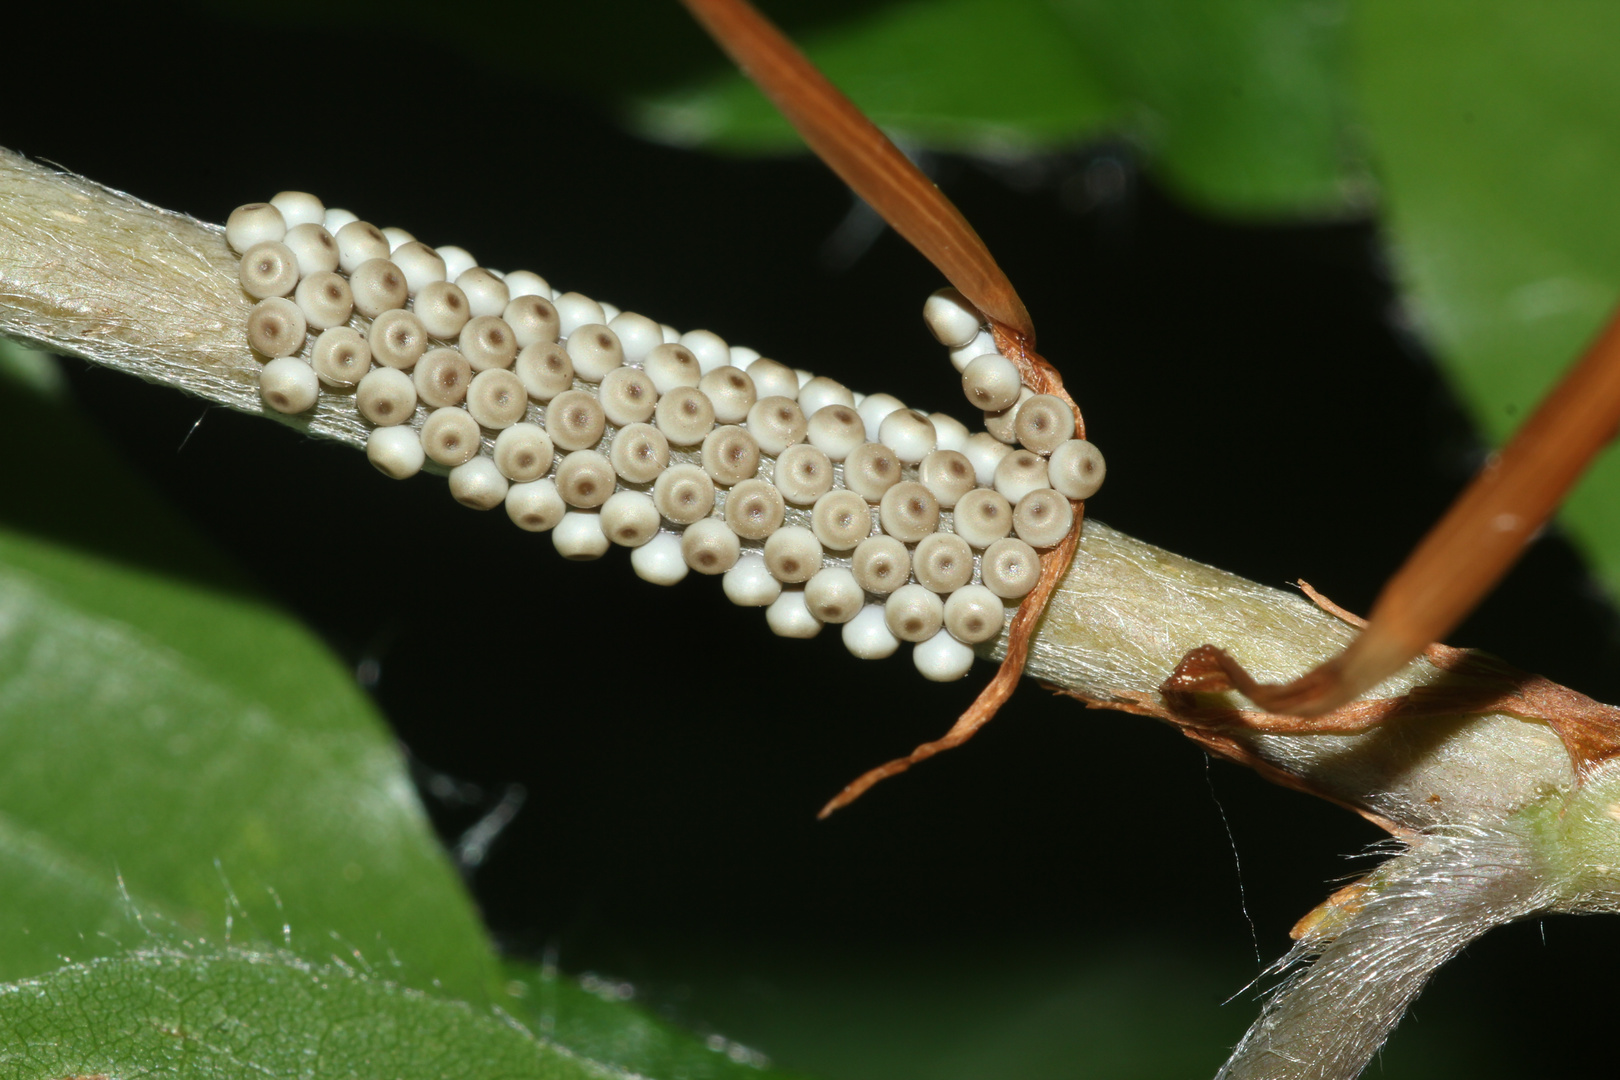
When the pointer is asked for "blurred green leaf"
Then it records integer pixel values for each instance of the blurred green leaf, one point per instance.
(143, 741)
(987, 76)
(227, 1013)
(33, 371)
(164, 731)
(1239, 104)
(1495, 128)
(184, 769)
(235, 1013)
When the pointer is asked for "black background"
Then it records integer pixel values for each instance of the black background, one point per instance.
(1259, 404)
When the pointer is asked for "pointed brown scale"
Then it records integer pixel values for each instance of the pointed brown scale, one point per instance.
(990, 699)
(1474, 544)
(853, 147)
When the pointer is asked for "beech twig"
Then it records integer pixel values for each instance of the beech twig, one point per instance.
(1488, 803)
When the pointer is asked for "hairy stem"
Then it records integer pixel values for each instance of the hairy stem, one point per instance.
(1418, 912)
(87, 271)
(90, 272)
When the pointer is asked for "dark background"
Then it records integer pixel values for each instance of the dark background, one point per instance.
(1261, 408)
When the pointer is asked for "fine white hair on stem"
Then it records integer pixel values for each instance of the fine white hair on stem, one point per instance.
(92, 272)
(1351, 983)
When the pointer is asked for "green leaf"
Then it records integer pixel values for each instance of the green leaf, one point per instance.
(236, 1013)
(183, 768)
(173, 749)
(1493, 127)
(979, 75)
(1239, 104)
(33, 371)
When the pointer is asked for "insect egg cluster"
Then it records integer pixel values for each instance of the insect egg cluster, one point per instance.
(606, 428)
